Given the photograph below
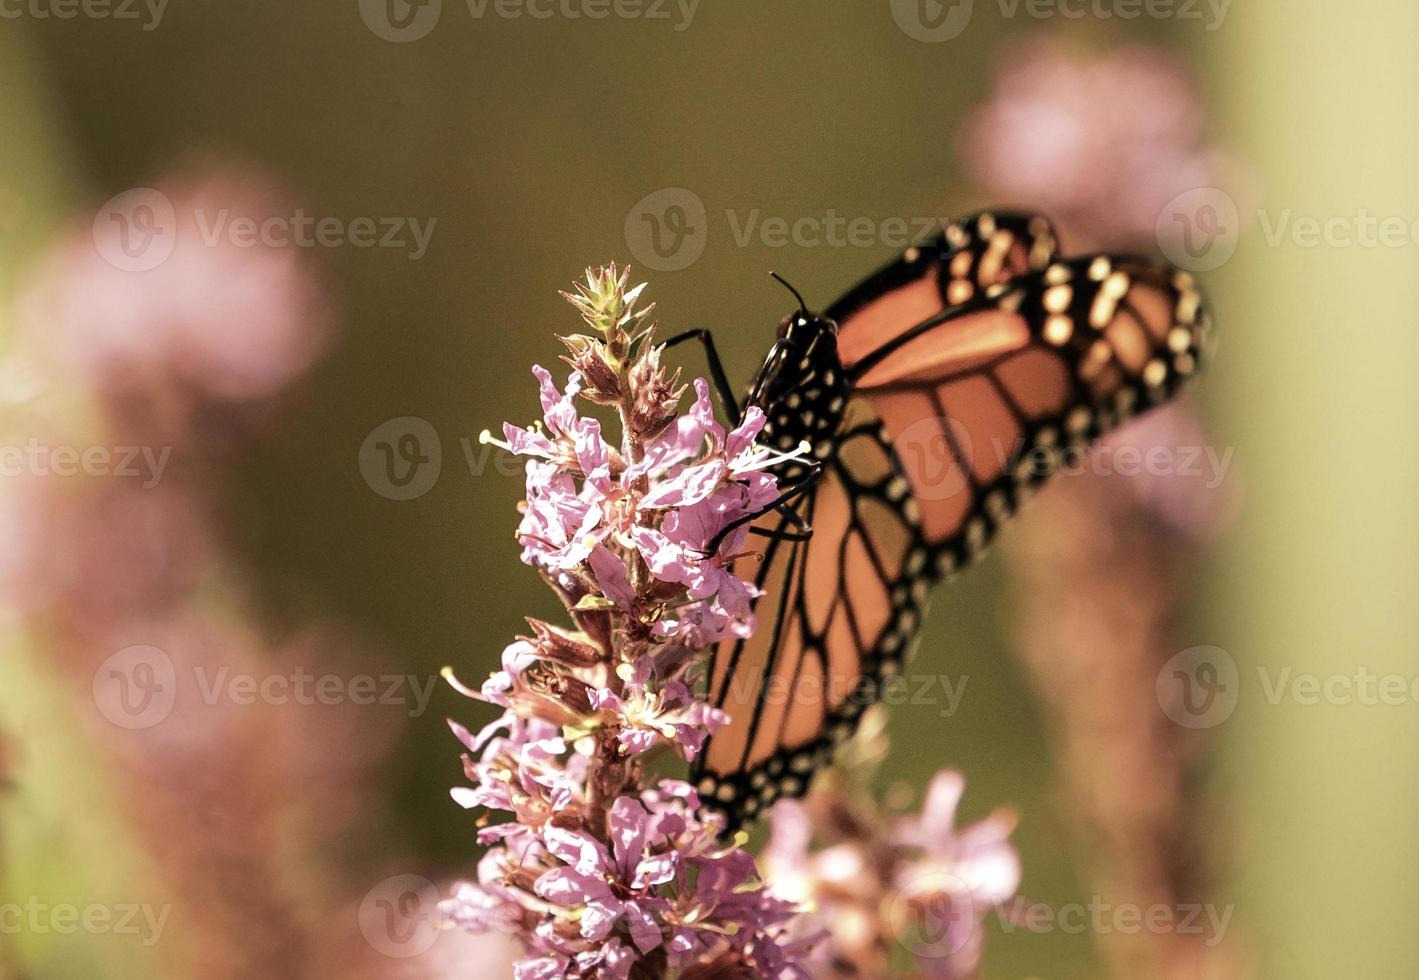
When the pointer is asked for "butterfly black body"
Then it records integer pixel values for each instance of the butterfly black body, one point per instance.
(802, 390)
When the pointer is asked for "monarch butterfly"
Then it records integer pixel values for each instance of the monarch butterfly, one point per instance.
(935, 396)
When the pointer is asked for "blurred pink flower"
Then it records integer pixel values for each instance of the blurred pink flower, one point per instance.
(244, 804)
(217, 321)
(1100, 145)
(874, 884)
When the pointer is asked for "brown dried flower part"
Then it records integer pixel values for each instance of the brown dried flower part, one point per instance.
(599, 370)
(577, 594)
(569, 693)
(655, 399)
(519, 876)
(573, 648)
(597, 624)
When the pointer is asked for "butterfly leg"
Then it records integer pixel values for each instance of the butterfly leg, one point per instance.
(727, 400)
(803, 530)
(797, 488)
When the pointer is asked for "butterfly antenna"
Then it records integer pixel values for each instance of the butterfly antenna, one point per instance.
(802, 306)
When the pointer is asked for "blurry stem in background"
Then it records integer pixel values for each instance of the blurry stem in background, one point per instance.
(1099, 581)
(1105, 564)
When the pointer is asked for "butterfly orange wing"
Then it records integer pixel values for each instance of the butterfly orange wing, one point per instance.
(838, 612)
(979, 360)
(983, 406)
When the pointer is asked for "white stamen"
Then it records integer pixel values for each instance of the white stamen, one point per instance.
(447, 674)
(486, 438)
(749, 465)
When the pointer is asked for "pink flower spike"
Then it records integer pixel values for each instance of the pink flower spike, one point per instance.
(594, 868)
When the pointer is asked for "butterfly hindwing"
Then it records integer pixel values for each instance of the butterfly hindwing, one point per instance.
(834, 627)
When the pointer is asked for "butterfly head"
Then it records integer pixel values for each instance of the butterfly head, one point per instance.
(801, 387)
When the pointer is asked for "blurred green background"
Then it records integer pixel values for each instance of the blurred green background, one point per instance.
(530, 141)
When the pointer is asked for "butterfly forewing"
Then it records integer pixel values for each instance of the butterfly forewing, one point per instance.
(1057, 358)
(967, 258)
